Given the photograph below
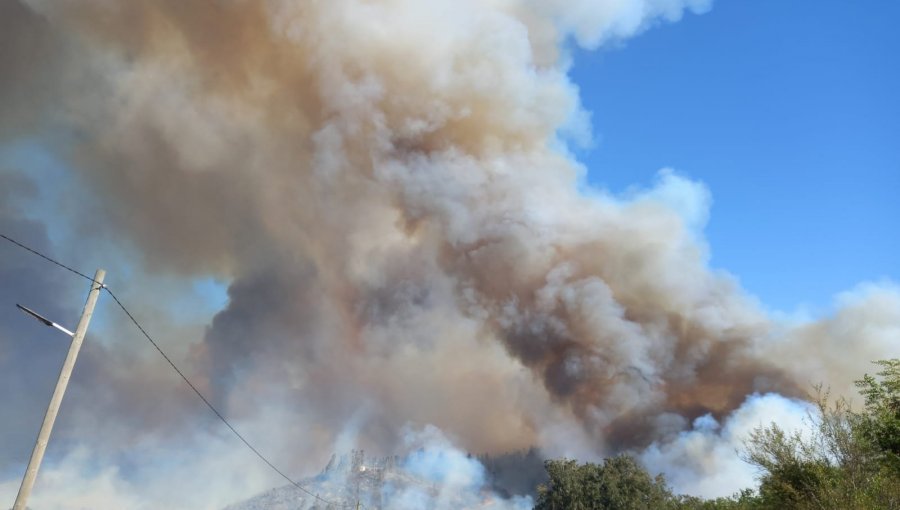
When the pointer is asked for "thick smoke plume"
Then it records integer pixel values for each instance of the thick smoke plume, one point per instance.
(384, 186)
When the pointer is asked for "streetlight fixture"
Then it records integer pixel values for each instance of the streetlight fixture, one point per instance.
(45, 321)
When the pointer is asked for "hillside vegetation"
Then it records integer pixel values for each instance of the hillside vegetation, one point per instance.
(850, 459)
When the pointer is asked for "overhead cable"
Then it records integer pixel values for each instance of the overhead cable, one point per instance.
(177, 370)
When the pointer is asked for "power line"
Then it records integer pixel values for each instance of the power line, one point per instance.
(207, 402)
(41, 255)
(177, 370)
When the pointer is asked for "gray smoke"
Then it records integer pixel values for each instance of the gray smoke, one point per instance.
(382, 186)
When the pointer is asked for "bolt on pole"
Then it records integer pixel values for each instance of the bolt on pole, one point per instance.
(64, 374)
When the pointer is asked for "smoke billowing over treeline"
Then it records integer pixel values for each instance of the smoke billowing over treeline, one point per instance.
(383, 188)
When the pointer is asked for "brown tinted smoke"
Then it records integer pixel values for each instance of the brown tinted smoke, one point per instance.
(382, 183)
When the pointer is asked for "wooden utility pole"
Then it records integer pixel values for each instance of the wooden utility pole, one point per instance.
(64, 374)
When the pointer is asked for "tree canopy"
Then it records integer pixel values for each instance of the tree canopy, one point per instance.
(620, 483)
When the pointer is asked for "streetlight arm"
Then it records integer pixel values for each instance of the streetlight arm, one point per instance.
(44, 320)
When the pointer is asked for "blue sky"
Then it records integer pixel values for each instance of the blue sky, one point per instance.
(789, 112)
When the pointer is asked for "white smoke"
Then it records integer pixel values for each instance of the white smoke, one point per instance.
(705, 460)
(457, 480)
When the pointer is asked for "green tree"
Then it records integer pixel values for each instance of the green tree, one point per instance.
(747, 499)
(848, 460)
(879, 425)
(620, 483)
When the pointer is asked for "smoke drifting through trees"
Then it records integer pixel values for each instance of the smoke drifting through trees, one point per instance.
(381, 184)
